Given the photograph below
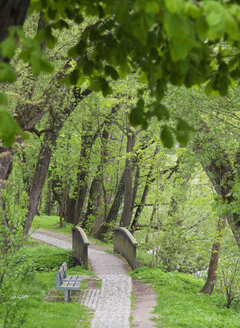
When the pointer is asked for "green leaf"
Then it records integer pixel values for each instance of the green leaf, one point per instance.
(167, 137)
(174, 5)
(190, 9)
(73, 77)
(216, 18)
(106, 90)
(181, 33)
(8, 47)
(111, 72)
(35, 62)
(182, 132)
(136, 117)
(60, 24)
(8, 128)
(94, 35)
(160, 111)
(78, 49)
(201, 28)
(159, 89)
(46, 66)
(3, 100)
(49, 38)
(6, 73)
(140, 104)
(95, 84)
(52, 13)
(88, 66)
(25, 55)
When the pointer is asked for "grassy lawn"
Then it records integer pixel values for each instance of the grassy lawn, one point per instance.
(180, 304)
(30, 309)
(52, 223)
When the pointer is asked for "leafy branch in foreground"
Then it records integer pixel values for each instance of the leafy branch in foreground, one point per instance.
(178, 42)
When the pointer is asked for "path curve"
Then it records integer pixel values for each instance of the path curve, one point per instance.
(113, 304)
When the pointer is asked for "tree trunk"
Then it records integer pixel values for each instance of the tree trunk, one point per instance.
(140, 207)
(213, 264)
(13, 12)
(113, 212)
(128, 191)
(218, 167)
(74, 205)
(69, 209)
(41, 171)
(94, 202)
(48, 200)
(62, 206)
(97, 188)
(39, 177)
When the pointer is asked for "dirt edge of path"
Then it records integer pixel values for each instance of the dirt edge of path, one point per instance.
(145, 302)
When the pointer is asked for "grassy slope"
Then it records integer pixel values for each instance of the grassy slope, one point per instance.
(180, 304)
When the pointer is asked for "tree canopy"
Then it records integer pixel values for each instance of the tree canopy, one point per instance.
(165, 41)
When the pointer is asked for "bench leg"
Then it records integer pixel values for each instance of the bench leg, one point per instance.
(67, 296)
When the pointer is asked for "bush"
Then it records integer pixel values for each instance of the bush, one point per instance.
(44, 257)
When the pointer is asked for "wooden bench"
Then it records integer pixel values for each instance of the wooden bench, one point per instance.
(67, 283)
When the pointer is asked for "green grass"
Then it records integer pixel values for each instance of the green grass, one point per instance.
(133, 299)
(44, 257)
(180, 304)
(108, 245)
(29, 301)
(51, 223)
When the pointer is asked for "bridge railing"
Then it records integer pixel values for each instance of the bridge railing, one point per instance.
(80, 246)
(126, 245)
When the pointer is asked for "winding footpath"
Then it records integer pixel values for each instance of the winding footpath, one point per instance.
(112, 304)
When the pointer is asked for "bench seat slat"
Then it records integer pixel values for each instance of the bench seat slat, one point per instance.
(70, 285)
(73, 278)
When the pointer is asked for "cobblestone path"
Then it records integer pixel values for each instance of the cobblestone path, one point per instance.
(112, 304)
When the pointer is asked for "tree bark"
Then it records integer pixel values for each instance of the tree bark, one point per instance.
(39, 177)
(218, 167)
(128, 192)
(62, 206)
(213, 264)
(49, 200)
(13, 12)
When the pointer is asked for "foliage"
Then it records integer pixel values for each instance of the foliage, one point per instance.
(179, 236)
(181, 42)
(229, 274)
(13, 201)
(180, 303)
(44, 258)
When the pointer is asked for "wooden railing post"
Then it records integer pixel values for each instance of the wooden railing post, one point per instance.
(126, 245)
(80, 246)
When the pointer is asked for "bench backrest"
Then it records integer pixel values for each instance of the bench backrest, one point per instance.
(60, 277)
(64, 266)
